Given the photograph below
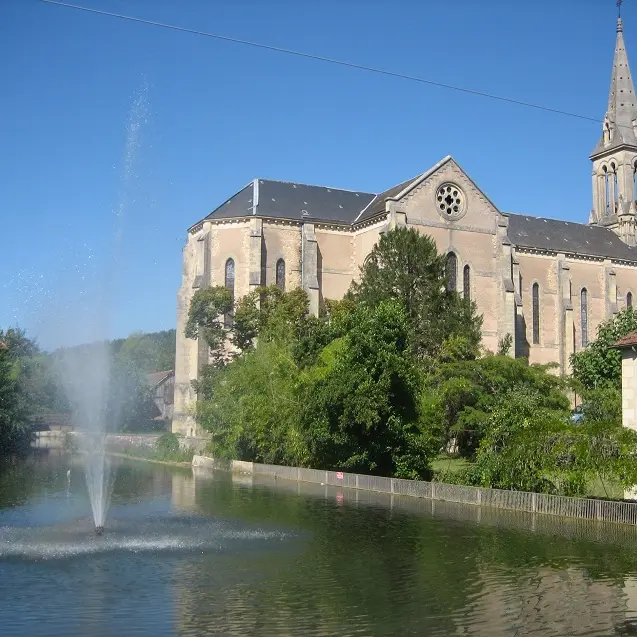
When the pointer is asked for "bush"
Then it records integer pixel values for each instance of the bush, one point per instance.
(167, 445)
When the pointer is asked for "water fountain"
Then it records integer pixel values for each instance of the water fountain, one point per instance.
(87, 374)
(86, 371)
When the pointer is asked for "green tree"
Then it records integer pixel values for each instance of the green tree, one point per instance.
(527, 447)
(531, 446)
(599, 365)
(404, 266)
(15, 430)
(207, 314)
(270, 314)
(360, 405)
(149, 352)
(459, 396)
(252, 410)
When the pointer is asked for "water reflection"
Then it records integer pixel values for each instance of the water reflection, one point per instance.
(200, 554)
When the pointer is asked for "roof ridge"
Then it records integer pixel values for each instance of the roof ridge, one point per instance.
(524, 214)
(298, 183)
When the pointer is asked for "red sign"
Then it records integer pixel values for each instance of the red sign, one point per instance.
(339, 475)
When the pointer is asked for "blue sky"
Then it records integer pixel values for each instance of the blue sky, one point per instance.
(117, 129)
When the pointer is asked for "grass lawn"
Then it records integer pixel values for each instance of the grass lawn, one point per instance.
(597, 488)
(447, 463)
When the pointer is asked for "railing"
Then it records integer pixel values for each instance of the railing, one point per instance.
(579, 508)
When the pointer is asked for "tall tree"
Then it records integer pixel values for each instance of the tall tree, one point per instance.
(360, 407)
(600, 365)
(405, 266)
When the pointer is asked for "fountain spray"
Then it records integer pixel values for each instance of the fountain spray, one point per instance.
(87, 370)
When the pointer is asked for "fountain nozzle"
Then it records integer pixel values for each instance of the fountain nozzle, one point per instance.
(99, 530)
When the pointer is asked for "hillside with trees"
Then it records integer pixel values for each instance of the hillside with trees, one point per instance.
(32, 382)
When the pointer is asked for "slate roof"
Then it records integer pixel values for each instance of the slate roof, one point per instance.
(239, 205)
(378, 203)
(566, 236)
(287, 200)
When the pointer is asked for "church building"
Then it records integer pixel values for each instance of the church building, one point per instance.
(548, 283)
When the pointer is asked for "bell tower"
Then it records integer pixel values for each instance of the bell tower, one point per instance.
(615, 156)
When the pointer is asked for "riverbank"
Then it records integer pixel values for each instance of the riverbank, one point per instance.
(578, 508)
(130, 456)
(522, 501)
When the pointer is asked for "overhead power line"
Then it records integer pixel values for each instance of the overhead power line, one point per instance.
(320, 58)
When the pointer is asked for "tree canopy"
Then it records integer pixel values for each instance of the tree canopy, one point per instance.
(404, 266)
(384, 380)
(599, 364)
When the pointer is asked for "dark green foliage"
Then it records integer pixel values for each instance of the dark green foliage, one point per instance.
(130, 403)
(382, 381)
(361, 409)
(15, 430)
(599, 365)
(208, 307)
(36, 380)
(404, 266)
(336, 391)
(460, 396)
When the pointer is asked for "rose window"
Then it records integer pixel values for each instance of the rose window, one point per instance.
(450, 200)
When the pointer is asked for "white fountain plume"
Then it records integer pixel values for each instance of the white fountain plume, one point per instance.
(86, 373)
(86, 370)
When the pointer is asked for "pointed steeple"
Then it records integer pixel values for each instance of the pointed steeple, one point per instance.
(620, 121)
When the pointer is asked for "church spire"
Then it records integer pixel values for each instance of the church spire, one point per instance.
(620, 121)
(615, 156)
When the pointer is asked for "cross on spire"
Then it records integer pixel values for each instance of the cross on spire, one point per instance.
(619, 8)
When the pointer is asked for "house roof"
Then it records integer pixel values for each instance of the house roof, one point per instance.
(567, 236)
(627, 341)
(156, 378)
(288, 200)
(302, 202)
(377, 205)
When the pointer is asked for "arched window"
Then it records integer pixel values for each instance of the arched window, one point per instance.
(466, 282)
(452, 272)
(615, 188)
(229, 283)
(520, 284)
(280, 274)
(629, 299)
(536, 313)
(606, 190)
(584, 316)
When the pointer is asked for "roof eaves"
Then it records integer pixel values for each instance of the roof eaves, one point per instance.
(207, 217)
(630, 340)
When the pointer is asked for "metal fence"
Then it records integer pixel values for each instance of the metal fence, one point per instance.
(578, 508)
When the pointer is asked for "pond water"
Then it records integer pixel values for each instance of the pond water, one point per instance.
(196, 553)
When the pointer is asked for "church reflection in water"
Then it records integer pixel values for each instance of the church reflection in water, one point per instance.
(351, 562)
